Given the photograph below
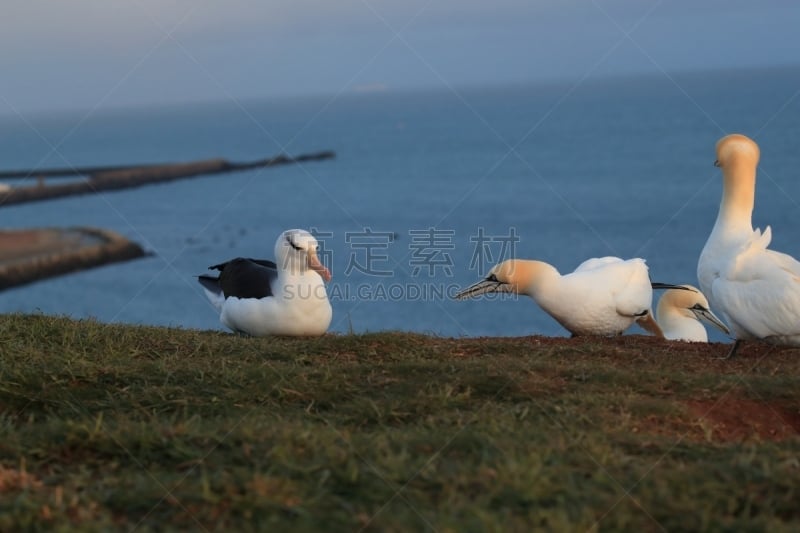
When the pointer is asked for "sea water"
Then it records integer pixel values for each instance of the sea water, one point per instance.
(428, 189)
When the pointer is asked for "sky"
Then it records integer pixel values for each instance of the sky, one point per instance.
(97, 54)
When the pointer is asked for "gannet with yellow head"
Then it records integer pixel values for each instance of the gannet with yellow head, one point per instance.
(603, 296)
(755, 289)
(680, 314)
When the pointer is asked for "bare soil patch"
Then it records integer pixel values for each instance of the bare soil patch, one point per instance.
(739, 419)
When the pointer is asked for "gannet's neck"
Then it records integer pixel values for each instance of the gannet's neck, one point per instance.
(736, 209)
(738, 157)
(536, 279)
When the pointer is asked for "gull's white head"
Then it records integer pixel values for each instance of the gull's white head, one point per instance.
(688, 302)
(735, 151)
(296, 251)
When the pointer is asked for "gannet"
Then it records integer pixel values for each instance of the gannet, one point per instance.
(756, 290)
(603, 296)
(680, 312)
(286, 297)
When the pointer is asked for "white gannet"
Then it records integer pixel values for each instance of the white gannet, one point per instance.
(680, 312)
(756, 290)
(286, 297)
(603, 296)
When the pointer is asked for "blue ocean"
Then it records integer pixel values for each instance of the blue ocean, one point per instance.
(427, 191)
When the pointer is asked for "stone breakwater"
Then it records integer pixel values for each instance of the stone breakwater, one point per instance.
(32, 254)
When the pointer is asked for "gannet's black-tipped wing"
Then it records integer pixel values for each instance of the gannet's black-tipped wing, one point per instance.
(244, 278)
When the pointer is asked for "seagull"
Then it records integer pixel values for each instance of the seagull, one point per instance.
(755, 289)
(603, 296)
(287, 297)
(680, 312)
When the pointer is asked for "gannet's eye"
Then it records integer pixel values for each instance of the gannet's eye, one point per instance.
(492, 277)
(698, 307)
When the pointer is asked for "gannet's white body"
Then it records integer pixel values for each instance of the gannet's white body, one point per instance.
(680, 312)
(755, 289)
(285, 297)
(603, 296)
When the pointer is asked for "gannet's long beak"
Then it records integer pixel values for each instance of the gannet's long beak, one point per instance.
(657, 285)
(488, 285)
(705, 314)
(316, 266)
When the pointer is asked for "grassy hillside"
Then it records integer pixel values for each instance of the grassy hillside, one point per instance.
(106, 426)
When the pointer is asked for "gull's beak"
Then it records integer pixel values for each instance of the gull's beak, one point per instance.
(716, 163)
(707, 316)
(316, 266)
(484, 286)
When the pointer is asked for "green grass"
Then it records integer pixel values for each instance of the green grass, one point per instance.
(119, 427)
